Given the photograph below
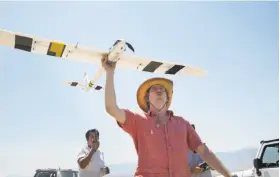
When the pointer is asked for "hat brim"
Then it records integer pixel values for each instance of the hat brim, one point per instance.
(143, 88)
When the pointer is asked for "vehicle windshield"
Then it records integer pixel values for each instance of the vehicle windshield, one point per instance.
(270, 157)
(68, 174)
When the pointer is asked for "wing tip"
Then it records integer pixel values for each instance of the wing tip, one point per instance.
(66, 83)
(204, 73)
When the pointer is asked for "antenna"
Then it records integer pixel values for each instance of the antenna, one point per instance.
(102, 154)
(76, 46)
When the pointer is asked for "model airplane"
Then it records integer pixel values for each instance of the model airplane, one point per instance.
(64, 51)
(86, 85)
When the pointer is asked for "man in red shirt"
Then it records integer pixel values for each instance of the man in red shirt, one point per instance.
(162, 139)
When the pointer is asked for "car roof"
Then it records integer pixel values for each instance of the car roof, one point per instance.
(53, 170)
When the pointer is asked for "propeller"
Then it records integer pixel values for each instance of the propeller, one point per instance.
(128, 45)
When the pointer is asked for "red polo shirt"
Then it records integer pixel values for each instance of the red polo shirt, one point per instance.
(162, 151)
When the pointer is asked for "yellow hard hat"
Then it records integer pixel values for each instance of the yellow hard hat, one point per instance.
(143, 88)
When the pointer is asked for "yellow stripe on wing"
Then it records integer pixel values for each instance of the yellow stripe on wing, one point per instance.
(56, 49)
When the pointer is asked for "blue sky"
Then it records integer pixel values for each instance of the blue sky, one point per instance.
(235, 106)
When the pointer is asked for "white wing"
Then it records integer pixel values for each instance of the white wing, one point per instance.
(39, 45)
(75, 52)
(153, 66)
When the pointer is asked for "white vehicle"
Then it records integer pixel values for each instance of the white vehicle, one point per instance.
(266, 163)
(50, 172)
(64, 51)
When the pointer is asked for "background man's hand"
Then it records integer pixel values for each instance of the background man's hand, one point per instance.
(104, 171)
(95, 145)
(196, 170)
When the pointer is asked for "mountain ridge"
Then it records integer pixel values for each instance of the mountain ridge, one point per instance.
(234, 160)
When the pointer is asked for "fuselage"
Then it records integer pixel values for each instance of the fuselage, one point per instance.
(87, 87)
(87, 84)
(116, 51)
(114, 55)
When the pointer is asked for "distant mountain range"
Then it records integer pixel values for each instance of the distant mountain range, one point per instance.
(234, 161)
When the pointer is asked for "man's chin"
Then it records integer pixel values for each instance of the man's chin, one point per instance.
(159, 106)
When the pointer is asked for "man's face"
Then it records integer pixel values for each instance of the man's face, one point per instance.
(158, 95)
(93, 137)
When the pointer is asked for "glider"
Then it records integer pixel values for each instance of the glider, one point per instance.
(61, 50)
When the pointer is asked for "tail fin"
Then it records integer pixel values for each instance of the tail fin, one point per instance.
(86, 80)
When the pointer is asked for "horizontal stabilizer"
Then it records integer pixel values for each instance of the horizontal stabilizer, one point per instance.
(98, 87)
(74, 84)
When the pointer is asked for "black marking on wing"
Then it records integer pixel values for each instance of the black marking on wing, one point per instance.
(174, 69)
(23, 43)
(152, 66)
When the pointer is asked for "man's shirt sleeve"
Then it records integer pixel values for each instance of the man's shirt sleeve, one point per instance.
(193, 138)
(131, 123)
(81, 154)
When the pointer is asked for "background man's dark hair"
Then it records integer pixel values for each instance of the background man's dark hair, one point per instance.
(193, 126)
(93, 131)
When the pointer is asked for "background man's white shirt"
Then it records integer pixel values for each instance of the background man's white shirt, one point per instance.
(95, 164)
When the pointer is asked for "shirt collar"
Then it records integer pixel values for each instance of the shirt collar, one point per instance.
(170, 114)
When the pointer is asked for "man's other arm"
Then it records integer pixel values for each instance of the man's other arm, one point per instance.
(208, 156)
(212, 160)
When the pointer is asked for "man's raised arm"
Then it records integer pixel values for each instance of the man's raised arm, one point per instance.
(110, 96)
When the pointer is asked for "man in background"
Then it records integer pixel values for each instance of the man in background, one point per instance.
(198, 167)
(90, 158)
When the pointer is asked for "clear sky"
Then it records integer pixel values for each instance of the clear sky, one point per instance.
(43, 122)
